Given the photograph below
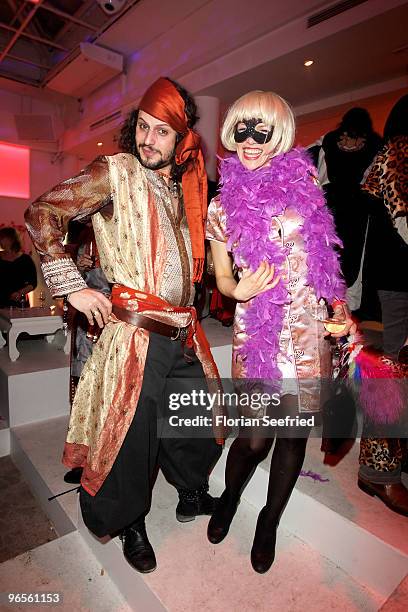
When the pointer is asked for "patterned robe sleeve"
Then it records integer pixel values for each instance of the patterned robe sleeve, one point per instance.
(47, 220)
(216, 221)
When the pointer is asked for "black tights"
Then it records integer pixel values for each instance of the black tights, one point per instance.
(287, 459)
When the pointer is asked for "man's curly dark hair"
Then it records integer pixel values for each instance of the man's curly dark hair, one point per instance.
(127, 141)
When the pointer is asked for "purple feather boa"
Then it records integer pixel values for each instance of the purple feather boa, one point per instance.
(250, 200)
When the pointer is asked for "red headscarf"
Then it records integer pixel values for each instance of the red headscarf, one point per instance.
(163, 101)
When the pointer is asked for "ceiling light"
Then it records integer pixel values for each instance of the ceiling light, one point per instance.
(99, 144)
(110, 7)
(308, 63)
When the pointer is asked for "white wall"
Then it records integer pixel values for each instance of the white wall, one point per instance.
(46, 167)
(44, 173)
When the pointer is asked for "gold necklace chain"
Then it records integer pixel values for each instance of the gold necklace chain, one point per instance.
(172, 185)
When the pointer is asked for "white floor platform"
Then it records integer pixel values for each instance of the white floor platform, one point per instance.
(338, 549)
(36, 386)
(193, 573)
(36, 449)
(63, 566)
(4, 437)
(398, 602)
(369, 542)
(304, 576)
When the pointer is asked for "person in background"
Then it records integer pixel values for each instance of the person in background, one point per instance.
(342, 157)
(387, 256)
(17, 270)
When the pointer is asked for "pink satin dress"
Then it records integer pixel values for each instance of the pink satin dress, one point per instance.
(304, 357)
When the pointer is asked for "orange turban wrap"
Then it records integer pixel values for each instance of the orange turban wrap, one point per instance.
(163, 101)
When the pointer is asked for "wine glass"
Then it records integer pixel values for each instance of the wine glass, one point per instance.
(331, 324)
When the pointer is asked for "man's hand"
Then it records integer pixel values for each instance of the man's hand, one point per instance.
(254, 283)
(93, 304)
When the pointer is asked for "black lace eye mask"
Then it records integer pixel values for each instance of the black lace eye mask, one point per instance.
(252, 132)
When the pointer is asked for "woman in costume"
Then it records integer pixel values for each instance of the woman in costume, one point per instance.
(271, 217)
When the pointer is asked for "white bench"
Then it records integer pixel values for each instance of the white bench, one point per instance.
(15, 321)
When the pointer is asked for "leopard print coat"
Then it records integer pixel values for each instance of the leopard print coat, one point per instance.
(387, 179)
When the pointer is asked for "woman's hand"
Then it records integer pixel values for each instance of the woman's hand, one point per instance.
(253, 283)
(342, 314)
(93, 304)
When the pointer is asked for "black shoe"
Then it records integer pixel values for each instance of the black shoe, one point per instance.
(194, 503)
(221, 519)
(137, 549)
(74, 476)
(263, 548)
(393, 495)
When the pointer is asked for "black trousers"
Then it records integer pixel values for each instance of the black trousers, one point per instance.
(126, 493)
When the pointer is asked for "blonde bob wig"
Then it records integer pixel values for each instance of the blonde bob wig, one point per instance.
(268, 106)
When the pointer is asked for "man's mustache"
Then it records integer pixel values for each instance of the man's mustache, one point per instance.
(142, 146)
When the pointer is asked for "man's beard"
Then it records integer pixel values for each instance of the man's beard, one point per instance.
(155, 165)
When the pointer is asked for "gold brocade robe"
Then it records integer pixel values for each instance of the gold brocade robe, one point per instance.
(141, 245)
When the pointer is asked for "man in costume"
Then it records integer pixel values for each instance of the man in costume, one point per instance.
(148, 207)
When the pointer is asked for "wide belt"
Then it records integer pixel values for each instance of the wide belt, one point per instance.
(139, 320)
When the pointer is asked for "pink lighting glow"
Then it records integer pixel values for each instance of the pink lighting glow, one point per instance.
(14, 171)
